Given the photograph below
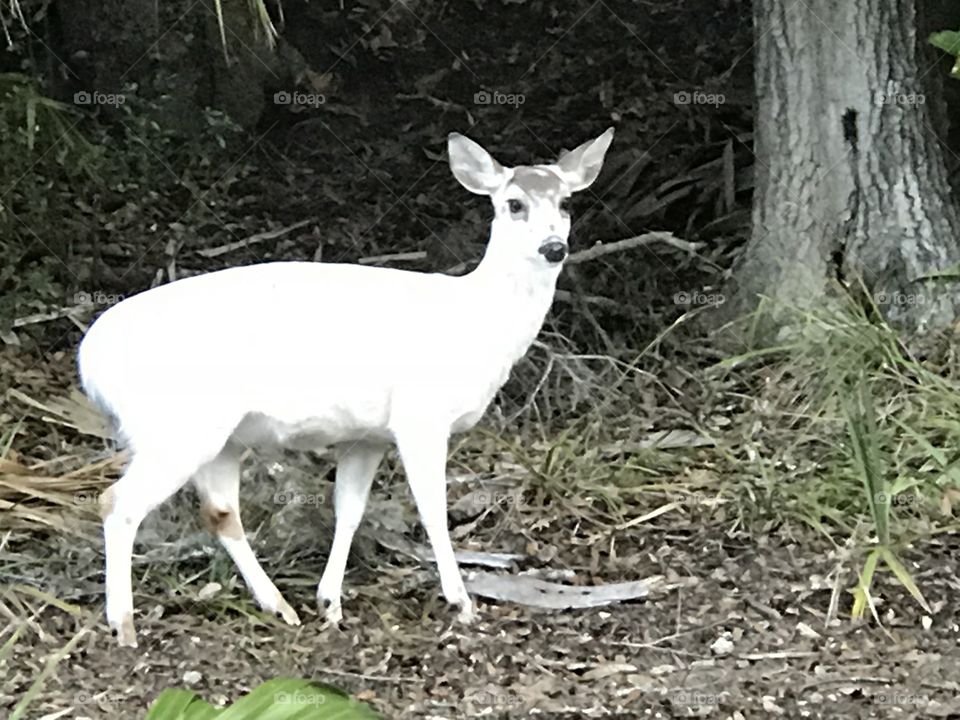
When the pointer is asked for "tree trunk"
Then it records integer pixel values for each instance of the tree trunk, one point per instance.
(850, 180)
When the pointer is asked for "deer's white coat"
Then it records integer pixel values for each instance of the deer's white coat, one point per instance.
(309, 355)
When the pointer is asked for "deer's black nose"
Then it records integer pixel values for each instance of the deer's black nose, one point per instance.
(554, 249)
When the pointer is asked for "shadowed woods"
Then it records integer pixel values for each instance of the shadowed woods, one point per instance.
(720, 478)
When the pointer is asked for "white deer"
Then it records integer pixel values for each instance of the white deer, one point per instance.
(310, 355)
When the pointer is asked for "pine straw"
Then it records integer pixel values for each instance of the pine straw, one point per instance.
(50, 476)
(40, 495)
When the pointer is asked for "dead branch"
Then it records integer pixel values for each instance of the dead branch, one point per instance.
(253, 239)
(395, 257)
(640, 240)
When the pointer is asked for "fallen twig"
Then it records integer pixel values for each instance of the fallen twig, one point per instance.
(640, 240)
(601, 249)
(395, 257)
(48, 316)
(435, 101)
(253, 239)
(598, 300)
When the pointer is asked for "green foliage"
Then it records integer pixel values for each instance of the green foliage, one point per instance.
(845, 372)
(42, 151)
(869, 463)
(949, 42)
(33, 121)
(865, 443)
(66, 176)
(157, 155)
(277, 699)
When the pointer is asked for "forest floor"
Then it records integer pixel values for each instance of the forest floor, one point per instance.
(737, 628)
(743, 619)
(752, 560)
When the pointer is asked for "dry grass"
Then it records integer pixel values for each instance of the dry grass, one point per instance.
(52, 495)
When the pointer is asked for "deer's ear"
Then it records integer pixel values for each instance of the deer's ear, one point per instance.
(581, 166)
(472, 166)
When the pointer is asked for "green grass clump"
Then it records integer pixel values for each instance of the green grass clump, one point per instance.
(873, 425)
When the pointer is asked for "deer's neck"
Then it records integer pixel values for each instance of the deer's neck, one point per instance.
(513, 298)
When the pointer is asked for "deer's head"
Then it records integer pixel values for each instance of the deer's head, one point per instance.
(532, 219)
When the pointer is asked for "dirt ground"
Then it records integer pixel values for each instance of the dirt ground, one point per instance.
(736, 628)
(740, 625)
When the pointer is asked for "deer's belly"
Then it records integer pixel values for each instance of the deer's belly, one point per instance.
(310, 432)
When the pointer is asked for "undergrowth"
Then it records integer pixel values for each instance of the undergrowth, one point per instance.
(840, 429)
(66, 178)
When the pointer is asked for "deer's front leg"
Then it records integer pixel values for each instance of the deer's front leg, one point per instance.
(423, 451)
(357, 464)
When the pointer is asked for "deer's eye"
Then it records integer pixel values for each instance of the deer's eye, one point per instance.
(515, 207)
(565, 206)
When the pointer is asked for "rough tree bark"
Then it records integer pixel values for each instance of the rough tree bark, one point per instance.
(850, 178)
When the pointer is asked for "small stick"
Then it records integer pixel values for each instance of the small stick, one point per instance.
(435, 101)
(598, 300)
(47, 316)
(395, 257)
(630, 243)
(259, 237)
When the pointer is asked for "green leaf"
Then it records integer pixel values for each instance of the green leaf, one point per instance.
(864, 437)
(948, 41)
(903, 575)
(277, 699)
(900, 486)
(948, 465)
(861, 593)
(181, 705)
